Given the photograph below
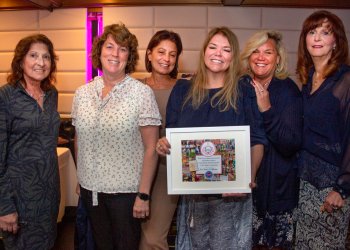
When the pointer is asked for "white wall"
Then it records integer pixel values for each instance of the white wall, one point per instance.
(193, 23)
(66, 28)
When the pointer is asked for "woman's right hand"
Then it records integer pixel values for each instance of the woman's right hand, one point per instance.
(9, 223)
(163, 146)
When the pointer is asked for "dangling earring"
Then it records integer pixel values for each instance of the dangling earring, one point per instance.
(334, 47)
(277, 70)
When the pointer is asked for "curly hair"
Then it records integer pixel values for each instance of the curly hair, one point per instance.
(258, 39)
(155, 41)
(21, 50)
(339, 55)
(227, 96)
(123, 37)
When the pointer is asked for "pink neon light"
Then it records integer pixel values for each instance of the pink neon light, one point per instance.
(92, 16)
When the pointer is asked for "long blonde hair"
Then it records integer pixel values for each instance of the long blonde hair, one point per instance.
(226, 98)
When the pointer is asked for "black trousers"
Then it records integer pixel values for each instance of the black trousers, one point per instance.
(113, 224)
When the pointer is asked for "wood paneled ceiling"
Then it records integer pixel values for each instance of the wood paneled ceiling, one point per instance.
(54, 4)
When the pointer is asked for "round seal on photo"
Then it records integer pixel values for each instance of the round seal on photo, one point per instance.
(208, 148)
(208, 175)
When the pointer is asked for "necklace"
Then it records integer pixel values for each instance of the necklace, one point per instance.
(37, 97)
(167, 83)
(316, 81)
(266, 84)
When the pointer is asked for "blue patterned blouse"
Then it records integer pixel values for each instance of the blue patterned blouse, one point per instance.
(29, 174)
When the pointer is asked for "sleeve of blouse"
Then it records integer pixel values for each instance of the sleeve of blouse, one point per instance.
(252, 114)
(75, 107)
(343, 182)
(7, 205)
(149, 115)
(174, 105)
(283, 126)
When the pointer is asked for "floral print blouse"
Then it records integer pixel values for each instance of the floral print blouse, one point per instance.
(110, 148)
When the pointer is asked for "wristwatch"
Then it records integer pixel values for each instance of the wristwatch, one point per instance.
(143, 196)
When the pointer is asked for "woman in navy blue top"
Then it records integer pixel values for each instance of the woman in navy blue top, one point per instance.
(325, 157)
(214, 98)
(280, 103)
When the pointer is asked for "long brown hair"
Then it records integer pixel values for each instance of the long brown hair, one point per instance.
(21, 51)
(339, 54)
(227, 96)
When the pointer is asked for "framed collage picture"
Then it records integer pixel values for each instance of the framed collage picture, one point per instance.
(209, 160)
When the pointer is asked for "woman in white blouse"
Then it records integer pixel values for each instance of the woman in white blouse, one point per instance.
(116, 119)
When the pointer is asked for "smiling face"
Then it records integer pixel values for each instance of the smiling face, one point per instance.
(263, 60)
(218, 54)
(163, 57)
(113, 58)
(320, 42)
(36, 64)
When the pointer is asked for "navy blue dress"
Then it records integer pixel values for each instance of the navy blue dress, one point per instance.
(229, 220)
(276, 194)
(277, 182)
(29, 174)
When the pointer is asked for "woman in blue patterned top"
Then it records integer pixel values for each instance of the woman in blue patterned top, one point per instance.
(325, 157)
(214, 98)
(29, 122)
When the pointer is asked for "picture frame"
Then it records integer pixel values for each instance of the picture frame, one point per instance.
(209, 160)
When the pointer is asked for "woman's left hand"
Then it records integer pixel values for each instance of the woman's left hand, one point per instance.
(141, 208)
(332, 202)
(262, 96)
